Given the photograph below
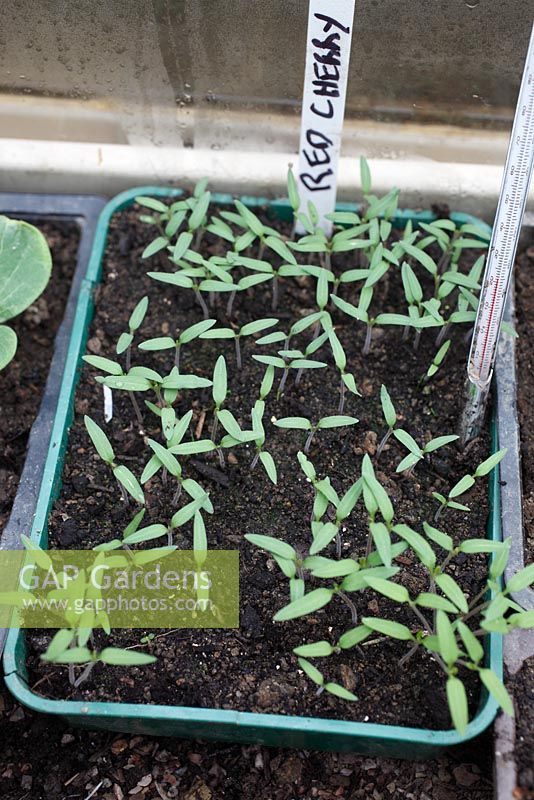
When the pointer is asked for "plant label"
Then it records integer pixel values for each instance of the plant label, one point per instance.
(323, 104)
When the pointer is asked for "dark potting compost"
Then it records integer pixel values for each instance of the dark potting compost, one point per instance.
(253, 668)
(22, 381)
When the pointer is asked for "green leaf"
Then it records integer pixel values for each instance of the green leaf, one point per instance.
(486, 466)
(435, 601)
(267, 382)
(475, 651)
(381, 497)
(104, 364)
(458, 506)
(168, 421)
(187, 512)
(524, 619)
(311, 671)
(129, 383)
(270, 467)
(152, 203)
(127, 479)
(348, 501)
(180, 429)
(500, 559)
(272, 545)
(182, 245)
(60, 642)
(119, 657)
(259, 325)
(74, 655)
(457, 701)
(297, 587)
(194, 331)
(408, 441)
(292, 190)
(145, 534)
(353, 637)
(251, 220)
(8, 345)
(195, 491)
(25, 269)
(349, 309)
(442, 539)
(446, 639)
(458, 279)
(178, 381)
(166, 458)
(477, 230)
(313, 601)
(220, 382)
(123, 343)
(38, 555)
(521, 580)
(231, 425)
(394, 319)
(300, 423)
(419, 255)
(315, 650)
(337, 351)
(323, 537)
(389, 628)
(100, 440)
(154, 247)
(496, 688)
(330, 568)
(272, 361)
(306, 363)
(138, 314)
(388, 408)
(339, 691)
(450, 588)
(439, 441)
(174, 278)
(356, 581)
(462, 486)
(146, 372)
(365, 176)
(199, 212)
(219, 333)
(325, 487)
(407, 462)
(389, 589)
(190, 448)
(336, 421)
(281, 249)
(479, 546)
(200, 187)
(418, 544)
(350, 383)
(200, 542)
(382, 541)
(412, 287)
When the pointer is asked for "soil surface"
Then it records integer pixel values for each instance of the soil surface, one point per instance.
(522, 684)
(253, 668)
(525, 355)
(41, 759)
(22, 381)
(522, 687)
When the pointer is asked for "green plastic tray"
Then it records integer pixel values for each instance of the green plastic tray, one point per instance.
(201, 723)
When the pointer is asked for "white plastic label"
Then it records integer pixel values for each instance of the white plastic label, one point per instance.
(328, 42)
(108, 404)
